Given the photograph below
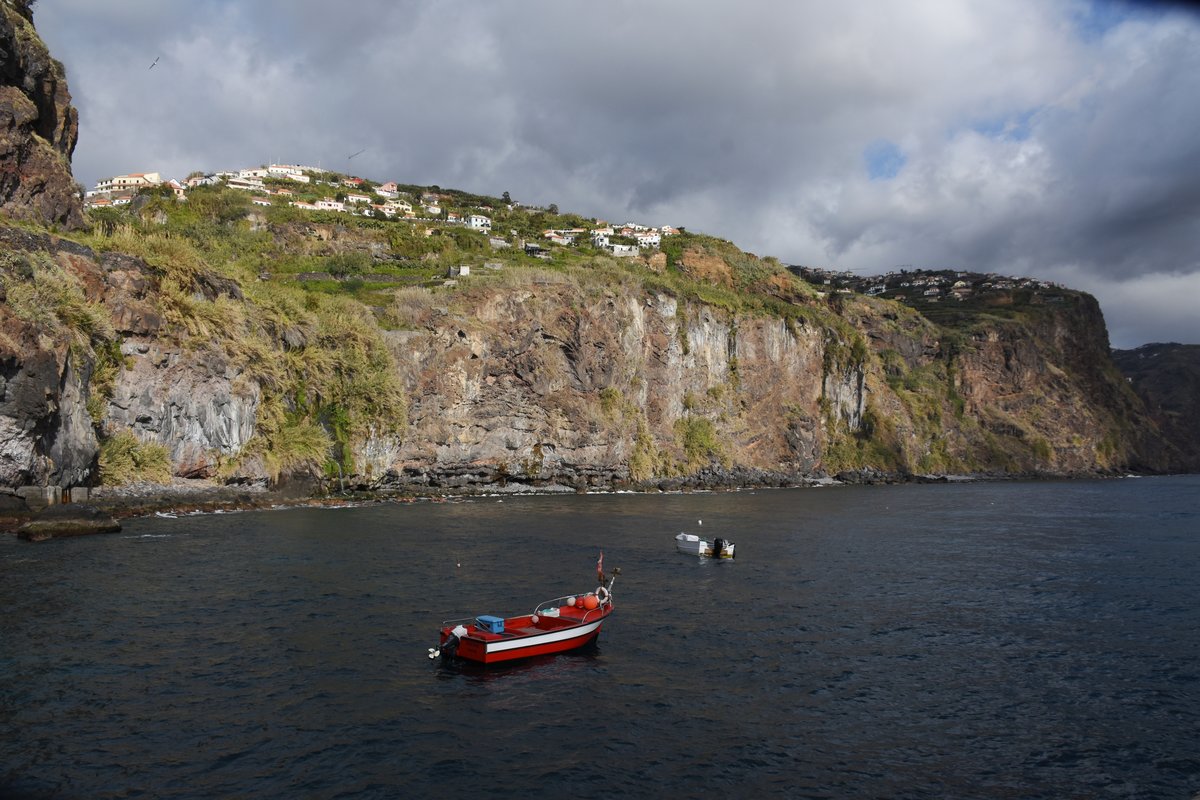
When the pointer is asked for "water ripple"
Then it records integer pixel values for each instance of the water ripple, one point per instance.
(1006, 640)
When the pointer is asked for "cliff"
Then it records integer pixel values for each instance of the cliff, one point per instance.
(212, 338)
(1167, 379)
(38, 127)
(612, 374)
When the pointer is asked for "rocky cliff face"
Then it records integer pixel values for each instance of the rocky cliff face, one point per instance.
(548, 383)
(1167, 379)
(46, 435)
(588, 375)
(38, 127)
(544, 378)
(53, 412)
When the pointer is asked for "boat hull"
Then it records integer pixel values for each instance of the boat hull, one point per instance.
(695, 546)
(528, 636)
(486, 652)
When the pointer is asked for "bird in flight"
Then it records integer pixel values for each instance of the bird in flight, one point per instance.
(360, 152)
(155, 61)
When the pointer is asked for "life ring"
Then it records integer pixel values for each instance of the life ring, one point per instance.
(602, 595)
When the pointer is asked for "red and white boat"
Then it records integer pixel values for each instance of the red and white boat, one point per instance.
(555, 626)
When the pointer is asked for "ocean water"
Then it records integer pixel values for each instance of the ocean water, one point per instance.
(1009, 639)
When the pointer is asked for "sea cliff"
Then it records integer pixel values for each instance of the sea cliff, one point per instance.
(211, 339)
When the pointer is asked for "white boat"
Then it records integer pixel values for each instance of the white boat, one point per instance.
(695, 545)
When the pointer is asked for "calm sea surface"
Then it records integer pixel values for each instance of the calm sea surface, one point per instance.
(986, 640)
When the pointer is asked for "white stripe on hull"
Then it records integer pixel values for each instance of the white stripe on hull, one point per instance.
(544, 638)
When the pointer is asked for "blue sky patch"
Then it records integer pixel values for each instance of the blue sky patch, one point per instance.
(884, 160)
(1093, 20)
(1013, 127)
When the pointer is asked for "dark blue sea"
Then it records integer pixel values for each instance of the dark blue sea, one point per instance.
(1008, 640)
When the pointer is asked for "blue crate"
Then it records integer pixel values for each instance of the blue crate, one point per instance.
(490, 624)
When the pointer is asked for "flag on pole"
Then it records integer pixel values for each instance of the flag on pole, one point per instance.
(600, 567)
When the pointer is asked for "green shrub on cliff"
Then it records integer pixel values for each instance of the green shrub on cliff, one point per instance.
(647, 460)
(700, 443)
(126, 459)
(51, 299)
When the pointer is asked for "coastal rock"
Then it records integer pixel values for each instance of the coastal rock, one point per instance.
(189, 401)
(46, 436)
(67, 520)
(38, 126)
(1167, 379)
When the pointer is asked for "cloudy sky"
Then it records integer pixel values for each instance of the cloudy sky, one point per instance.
(1052, 138)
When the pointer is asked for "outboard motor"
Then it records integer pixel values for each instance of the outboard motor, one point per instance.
(718, 546)
(449, 648)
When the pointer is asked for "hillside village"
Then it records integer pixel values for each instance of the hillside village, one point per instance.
(921, 286)
(316, 192)
(313, 189)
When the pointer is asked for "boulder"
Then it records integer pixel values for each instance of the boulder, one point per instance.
(67, 520)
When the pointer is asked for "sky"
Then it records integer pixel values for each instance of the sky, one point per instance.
(1056, 139)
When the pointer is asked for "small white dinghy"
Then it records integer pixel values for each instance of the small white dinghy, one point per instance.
(695, 545)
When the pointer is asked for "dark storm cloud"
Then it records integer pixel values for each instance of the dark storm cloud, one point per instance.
(1046, 138)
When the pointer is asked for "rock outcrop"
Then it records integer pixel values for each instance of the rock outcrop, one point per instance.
(1167, 379)
(70, 520)
(549, 381)
(38, 126)
(189, 399)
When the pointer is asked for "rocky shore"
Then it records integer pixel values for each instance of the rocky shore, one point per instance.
(199, 495)
(190, 496)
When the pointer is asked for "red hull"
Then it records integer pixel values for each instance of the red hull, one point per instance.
(531, 635)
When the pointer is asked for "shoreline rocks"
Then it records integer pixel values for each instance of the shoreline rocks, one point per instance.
(107, 505)
(75, 519)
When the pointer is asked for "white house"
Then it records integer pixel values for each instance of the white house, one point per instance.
(358, 198)
(283, 170)
(325, 204)
(260, 201)
(134, 180)
(246, 184)
(257, 172)
(624, 250)
(478, 222)
(648, 239)
(202, 180)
